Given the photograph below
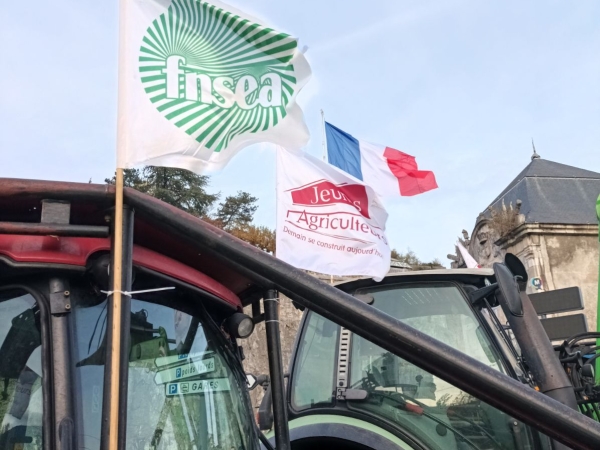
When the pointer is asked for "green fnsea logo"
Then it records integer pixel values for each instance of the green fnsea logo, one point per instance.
(214, 74)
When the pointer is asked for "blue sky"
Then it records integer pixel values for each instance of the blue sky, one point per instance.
(461, 84)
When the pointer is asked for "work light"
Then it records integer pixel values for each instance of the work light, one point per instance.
(240, 325)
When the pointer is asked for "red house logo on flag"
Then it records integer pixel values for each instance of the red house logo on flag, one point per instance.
(326, 193)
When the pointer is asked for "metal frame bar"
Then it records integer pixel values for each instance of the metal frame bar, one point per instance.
(62, 375)
(45, 229)
(282, 432)
(499, 390)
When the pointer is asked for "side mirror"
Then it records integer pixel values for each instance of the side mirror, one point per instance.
(265, 412)
(252, 381)
(508, 289)
(517, 268)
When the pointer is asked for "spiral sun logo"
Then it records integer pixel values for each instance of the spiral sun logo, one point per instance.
(216, 75)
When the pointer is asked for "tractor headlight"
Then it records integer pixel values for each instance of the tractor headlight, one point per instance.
(240, 325)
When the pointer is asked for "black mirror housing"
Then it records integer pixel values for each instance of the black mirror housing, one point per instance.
(509, 290)
(517, 268)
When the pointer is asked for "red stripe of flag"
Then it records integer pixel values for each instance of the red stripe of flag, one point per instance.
(411, 181)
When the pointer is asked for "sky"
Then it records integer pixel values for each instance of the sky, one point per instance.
(463, 85)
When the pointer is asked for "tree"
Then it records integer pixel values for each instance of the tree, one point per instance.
(261, 237)
(187, 191)
(413, 260)
(177, 187)
(408, 258)
(237, 211)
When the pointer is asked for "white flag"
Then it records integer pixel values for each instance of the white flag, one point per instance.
(328, 221)
(198, 81)
(466, 256)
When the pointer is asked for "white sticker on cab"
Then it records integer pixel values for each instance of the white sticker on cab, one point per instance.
(190, 369)
(198, 386)
(167, 360)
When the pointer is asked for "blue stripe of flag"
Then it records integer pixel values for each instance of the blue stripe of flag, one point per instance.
(343, 151)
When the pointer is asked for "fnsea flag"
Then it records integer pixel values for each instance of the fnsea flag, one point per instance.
(199, 80)
(388, 171)
(327, 221)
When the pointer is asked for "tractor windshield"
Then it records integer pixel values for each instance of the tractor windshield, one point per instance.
(438, 310)
(186, 389)
(431, 410)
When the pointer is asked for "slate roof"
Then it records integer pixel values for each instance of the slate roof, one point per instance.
(553, 193)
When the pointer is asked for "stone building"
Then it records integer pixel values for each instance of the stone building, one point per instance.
(547, 217)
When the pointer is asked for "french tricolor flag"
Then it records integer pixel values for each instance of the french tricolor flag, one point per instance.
(389, 172)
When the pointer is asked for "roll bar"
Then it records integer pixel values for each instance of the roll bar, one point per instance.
(511, 396)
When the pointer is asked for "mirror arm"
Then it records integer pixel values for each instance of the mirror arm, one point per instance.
(480, 294)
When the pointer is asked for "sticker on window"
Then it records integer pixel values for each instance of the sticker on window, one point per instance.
(168, 360)
(197, 387)
(187, 370)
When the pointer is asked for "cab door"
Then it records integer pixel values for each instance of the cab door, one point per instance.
(25, 406)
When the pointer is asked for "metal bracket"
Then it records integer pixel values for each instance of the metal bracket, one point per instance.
(257, 316)
(353, 394)
(343, 367)
(60, 297)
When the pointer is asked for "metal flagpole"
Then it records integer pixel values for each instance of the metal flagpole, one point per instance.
(324, 142)
(110, 413)
(277, 149)
(117, 315)
(324, 137)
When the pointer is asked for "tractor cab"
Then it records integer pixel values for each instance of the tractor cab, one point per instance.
(185, 386)
(347, 392)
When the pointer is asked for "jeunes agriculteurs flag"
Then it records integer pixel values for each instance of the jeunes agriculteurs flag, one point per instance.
(198, 81)
(328, 221)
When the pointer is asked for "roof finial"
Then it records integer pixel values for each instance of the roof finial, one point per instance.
(535, 155)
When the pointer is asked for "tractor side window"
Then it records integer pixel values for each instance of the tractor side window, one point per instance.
(20, 372)
(313, 378)
(185, 389)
